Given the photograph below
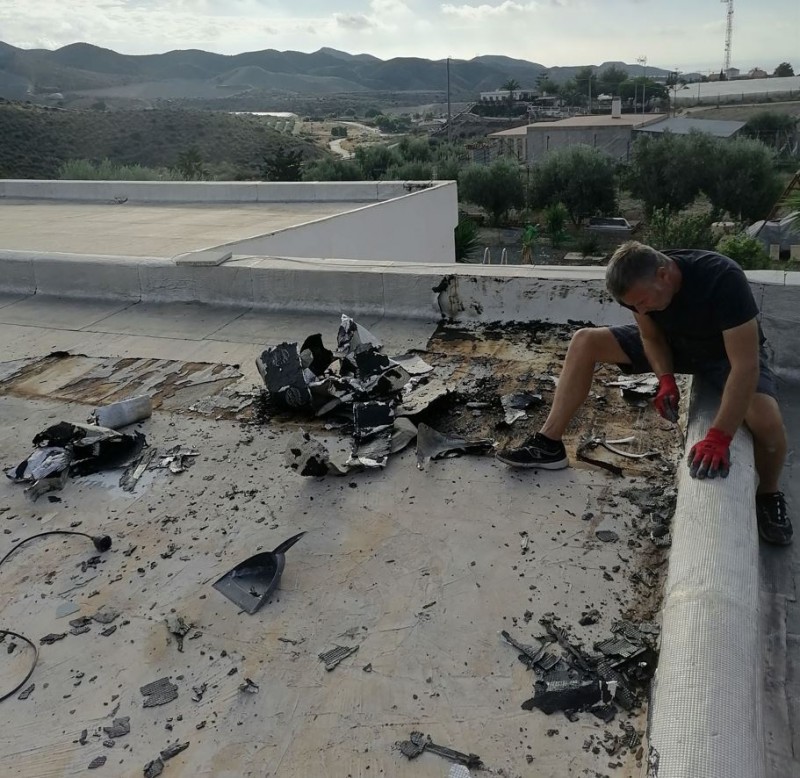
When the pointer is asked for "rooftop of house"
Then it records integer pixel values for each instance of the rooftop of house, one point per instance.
(683, 125)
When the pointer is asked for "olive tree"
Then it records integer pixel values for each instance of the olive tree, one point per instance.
(497, 188)
(580, 177)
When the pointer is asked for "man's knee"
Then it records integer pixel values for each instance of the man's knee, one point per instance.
(765, 421)
(596, 344)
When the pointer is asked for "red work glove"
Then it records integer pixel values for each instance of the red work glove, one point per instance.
(667, 398)
(711, 457)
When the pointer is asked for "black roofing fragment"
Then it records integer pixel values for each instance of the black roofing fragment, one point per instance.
(282, 371)
(98, 761)
(561, 692)
(336, 655)
(314, 356)
(25, 693)
(48, 640)
(120, 727)
(154, 768)
(159, 692)
(418, 743)
(173, 750)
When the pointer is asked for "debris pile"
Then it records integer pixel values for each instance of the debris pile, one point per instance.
(367, 393)
(417, 743)
(571, 680)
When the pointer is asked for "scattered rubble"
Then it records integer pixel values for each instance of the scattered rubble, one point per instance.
(154, 768)
(119, 727)
(171, 751)
(178, 627)
(250, 687)
(98, 761)
(123, 413)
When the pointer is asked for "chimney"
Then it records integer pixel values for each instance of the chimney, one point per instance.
(616, 108)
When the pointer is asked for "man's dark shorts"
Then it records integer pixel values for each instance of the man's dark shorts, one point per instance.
(714, 372)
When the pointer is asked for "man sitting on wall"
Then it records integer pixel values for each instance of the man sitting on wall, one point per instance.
(695, 313)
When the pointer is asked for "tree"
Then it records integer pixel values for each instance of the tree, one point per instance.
(190, 164)
(586, 82)
(632, 87)
(547, 86)
(580, 177)
(611, 78)
(665, 172)
(569, 92)
(783, 70)
(283, 165)
(332, 170)
(742, 179)
(496, 188)
(771, 128)
(415, 149)
(511, 86)
(409, 171)
(375, 160)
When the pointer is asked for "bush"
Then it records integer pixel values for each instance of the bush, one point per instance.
(332, 170)
(86, 170)
(745, 250)
(555, 220)
(466, 239)
(409, 171)
(589, 244)
(741, 179)
(496, 188)
(415, 149)
(579, 177)
(374, 161)
(667, 230)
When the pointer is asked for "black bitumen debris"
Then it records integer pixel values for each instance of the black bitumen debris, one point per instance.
(173, 750)
(178, 627)
(561, 692)
(120, 727)
(607, 535)
(98, 761)
(250, 687)
(198, 692)
(154, 768)
(48, 640)
(337, 654)
(159, 692)
(418, 743)
(25, 693)
(105, 615)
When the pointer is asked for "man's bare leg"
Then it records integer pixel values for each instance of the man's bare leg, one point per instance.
(587, 347)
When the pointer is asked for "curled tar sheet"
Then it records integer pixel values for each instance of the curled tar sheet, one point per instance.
(417, 743)
(123, 413)
(351, 335)
(309, 457)
(336, 655)
(403, 432)
(432, 444)
(420, 395)
(282, 371)
(560, 692)
(413, 364)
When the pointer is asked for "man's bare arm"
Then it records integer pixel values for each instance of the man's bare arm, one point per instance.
(741, 346)
(656, 348)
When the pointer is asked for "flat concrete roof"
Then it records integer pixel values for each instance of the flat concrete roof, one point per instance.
(419, 570)
(604, 120)
(683, 125)
(147, 230)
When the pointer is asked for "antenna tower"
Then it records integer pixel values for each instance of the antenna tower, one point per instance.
(728, 34)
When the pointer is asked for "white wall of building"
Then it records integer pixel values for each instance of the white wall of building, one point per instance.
(417, 227)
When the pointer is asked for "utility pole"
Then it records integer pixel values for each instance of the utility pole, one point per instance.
(590, 92)
(643, 62)
(449, 131)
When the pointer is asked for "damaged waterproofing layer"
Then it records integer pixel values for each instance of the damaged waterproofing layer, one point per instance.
(371, 394)
(573, 680)
(71, 449)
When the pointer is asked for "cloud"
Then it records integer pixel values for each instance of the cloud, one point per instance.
(354, 21)
(486, 11)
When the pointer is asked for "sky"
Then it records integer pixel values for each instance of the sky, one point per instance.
(687, 35)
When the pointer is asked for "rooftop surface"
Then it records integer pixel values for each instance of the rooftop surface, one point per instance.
(419, 570)
(683, 125)
(147, 230)
(603, 120)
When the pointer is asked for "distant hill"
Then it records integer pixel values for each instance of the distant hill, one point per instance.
(82, 69)
(36, 140)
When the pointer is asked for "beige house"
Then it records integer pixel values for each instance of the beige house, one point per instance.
(612, 134)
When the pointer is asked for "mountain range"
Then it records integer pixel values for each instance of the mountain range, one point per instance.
(85, 70)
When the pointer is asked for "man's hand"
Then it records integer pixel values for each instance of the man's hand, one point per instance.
(711, 456)
(668, 397)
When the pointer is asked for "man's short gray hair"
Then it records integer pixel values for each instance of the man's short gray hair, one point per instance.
(631, 263)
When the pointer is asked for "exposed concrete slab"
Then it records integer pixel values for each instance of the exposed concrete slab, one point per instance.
(9, 299)
(188, 321)
(57, 312)
(376, 555)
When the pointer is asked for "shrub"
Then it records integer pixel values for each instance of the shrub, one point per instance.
(106, 170)
(374, 161)
(745, 250)
(555, 220)
(579, 177)
(668, 230)
(466, 239)
(409, 171)
(496, 188)
(332, 170)
(589, 244)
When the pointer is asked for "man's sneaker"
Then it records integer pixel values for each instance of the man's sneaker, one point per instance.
(773, 522)
(537, 451)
